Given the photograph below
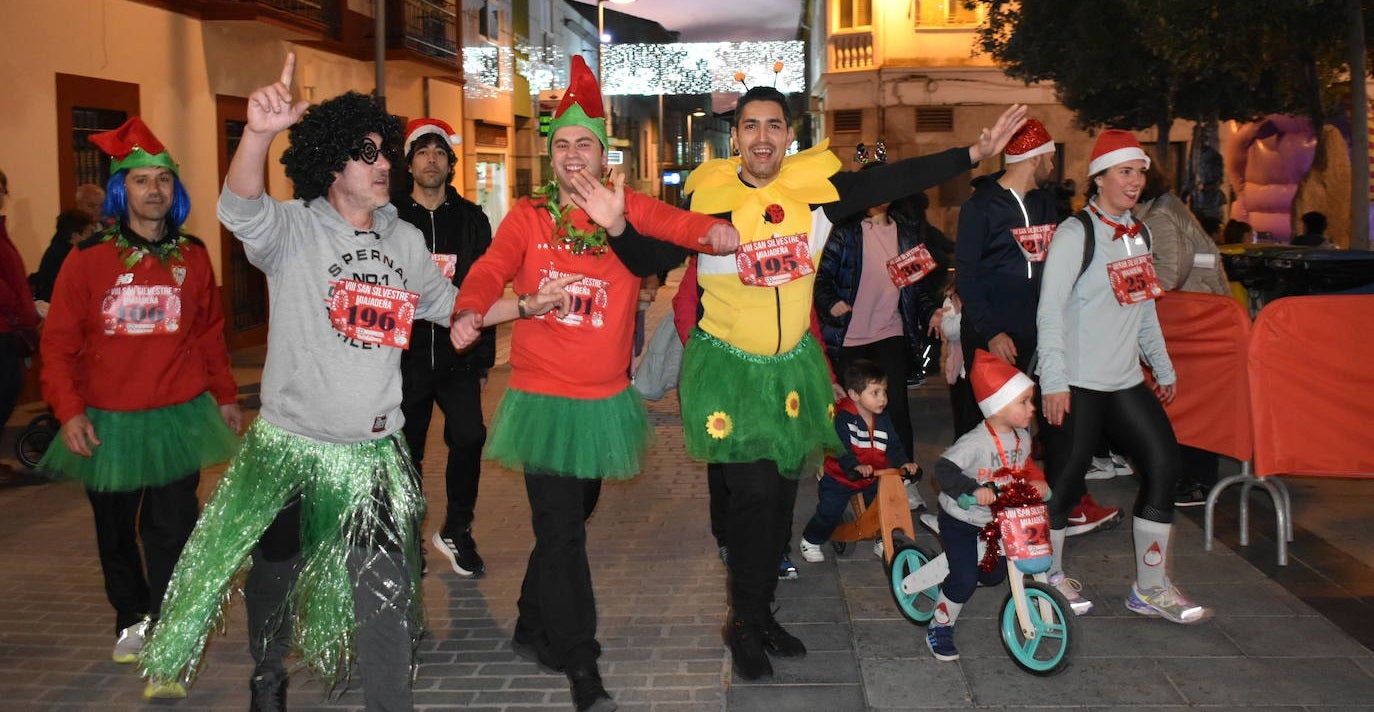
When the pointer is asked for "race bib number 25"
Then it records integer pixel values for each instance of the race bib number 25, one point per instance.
(373, 313)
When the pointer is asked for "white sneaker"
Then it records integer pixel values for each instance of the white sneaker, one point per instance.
(1101, 468)
(878, 548)
(930, 521)
(1122, 467)
(811, 553)
(914, 500)
(1070, 588)
(130, 642)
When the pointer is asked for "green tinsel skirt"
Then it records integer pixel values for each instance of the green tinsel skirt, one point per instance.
(741, 407)
(146, 448)
(354, 495)
(589, 438)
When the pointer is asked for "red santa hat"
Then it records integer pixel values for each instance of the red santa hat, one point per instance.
(996, 383)
(1115, 146)
(1030, 141)
(419, 127)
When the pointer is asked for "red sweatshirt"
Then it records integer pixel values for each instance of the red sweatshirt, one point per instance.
(587, 353)
(134, 339)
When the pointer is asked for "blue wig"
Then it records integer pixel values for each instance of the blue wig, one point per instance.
(116, 204)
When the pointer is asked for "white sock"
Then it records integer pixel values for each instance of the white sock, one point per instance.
(1151, 552)
(946, 611)
(1057, 537)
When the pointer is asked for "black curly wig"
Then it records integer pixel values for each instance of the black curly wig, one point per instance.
(331, 134)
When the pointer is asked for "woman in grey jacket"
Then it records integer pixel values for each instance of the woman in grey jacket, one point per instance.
(1096, 321)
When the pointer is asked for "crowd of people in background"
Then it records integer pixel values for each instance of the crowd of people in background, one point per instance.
(789, 369)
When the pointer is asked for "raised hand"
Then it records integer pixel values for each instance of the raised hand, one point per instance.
(992, 141)
(605, 206)
(270, 108)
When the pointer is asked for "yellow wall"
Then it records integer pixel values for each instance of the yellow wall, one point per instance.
(180, 64)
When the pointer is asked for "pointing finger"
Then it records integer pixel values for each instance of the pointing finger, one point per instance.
(288, 69)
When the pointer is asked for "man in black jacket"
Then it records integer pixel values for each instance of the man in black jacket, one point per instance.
(457, 232)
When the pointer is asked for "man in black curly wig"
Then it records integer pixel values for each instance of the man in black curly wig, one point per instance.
(322, 495)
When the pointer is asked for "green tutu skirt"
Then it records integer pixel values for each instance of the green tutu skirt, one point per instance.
(353, 496)
(741, 407)
(146, 448)
(588, 438)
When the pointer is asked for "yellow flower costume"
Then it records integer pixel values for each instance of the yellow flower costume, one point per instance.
(753, 350)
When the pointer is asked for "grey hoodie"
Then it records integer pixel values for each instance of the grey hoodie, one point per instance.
(318, 383)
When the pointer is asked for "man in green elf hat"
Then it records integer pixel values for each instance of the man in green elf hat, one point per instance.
(135, 367)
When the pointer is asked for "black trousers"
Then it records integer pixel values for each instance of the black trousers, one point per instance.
(757, 521)
(557, 606)
(161, 519)
(11, 375)
(891, 355)
(459, 395)
(1136, 424)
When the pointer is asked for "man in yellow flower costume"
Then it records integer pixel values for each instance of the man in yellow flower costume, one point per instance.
(755, 389)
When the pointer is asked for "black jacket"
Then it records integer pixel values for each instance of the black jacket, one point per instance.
(456, 227)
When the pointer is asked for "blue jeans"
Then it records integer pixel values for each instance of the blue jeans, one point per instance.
(960, 540)
(834, 497)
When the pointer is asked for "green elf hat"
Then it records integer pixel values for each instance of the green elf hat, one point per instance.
(581, 104)
(133, 145)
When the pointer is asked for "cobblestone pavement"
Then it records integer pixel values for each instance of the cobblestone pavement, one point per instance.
(661, 596)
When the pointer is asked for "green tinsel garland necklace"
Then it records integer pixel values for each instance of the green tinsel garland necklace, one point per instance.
(133, 254)
(577, 240)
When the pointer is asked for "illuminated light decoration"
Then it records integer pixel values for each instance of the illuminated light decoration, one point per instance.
(700, 67)
(545, 68)
(490, 70)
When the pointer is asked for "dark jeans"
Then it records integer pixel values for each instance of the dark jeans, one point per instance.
(557, 606)
(162, 518)
(833, 500)
(757, 518)
(892, 356)
(1135, 423)
(960, 540)
(459, 395)
(11, 376)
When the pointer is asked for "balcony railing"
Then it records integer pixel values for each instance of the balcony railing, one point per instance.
(430, 27)
(851, 51)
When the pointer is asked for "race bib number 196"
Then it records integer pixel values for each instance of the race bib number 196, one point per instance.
(373, 313)
(775, 261)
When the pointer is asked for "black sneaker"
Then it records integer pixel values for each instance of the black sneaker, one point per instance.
(746, 651)
(778, 642)
(269, 692)
(588, 694)
(535, 651)
(1192, 497)
(461, 552)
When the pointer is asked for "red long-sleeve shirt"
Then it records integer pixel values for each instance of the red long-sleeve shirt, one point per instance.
(93, 353)
(588, 355)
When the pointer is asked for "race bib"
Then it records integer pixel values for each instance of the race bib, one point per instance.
(1034, 240)
(448, 264)
(1025, 532)
(589, 301)
(372, 313)
(141, 310)
(775, 261)
(911, 266)
(1133, 279)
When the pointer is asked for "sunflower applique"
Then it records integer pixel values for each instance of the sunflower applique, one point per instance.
(719, 425)
(792, 404)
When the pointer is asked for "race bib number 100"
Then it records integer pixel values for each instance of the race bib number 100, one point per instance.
(373, 313)
(775, 261)
(141, 310)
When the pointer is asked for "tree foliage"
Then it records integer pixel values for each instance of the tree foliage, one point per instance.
(1140, 63)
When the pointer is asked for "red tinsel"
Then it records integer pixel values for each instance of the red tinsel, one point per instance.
(1016, 494)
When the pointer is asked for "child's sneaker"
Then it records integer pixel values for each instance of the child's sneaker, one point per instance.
(811, 553)
(1070, 588)
(930, 521)
(940, 640)
(786, 569)
(1166, 602)
(878, 548)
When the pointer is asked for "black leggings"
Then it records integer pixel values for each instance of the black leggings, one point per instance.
(1135, 423)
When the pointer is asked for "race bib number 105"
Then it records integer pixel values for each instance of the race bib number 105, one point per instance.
(373, 313)
(775, 261)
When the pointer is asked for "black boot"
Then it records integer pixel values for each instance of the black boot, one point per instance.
(746, 650)
(587, 692)
(778, 642)
(269, 692)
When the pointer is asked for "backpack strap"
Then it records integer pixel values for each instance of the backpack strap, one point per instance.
(1090, 243)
